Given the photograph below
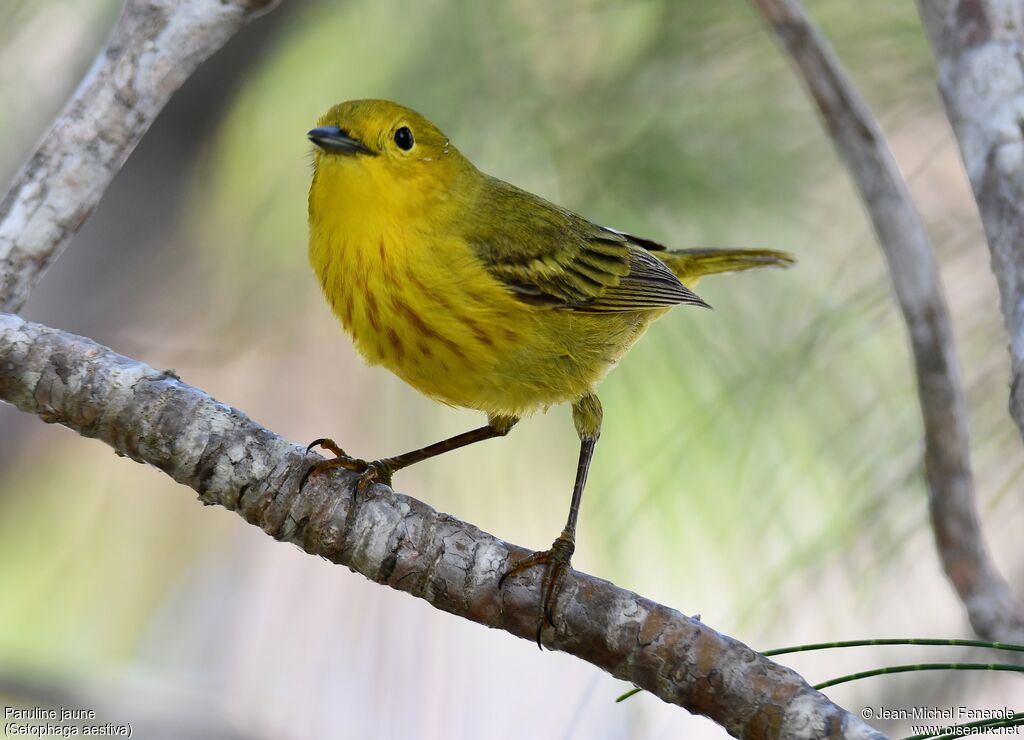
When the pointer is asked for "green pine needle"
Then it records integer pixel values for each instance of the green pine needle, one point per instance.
(635, 690)
(895, 641)
(920, 667)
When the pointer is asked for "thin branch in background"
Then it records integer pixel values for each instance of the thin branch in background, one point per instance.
(991, 607)
(979, 49)
(395, 540)
(155, 47)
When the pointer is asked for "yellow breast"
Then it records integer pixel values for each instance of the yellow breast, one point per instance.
(420, 306)
(418, 301)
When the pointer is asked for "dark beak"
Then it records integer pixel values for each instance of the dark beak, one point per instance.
(337, 141)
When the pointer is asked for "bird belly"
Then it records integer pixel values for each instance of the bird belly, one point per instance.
(566, 357)
(435, 317)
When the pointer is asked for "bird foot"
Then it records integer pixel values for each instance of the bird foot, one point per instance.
(556, 562)
(376, 471)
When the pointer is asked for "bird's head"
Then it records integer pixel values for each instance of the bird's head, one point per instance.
(382, 152)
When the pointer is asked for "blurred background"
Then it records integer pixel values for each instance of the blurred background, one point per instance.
(760, 464)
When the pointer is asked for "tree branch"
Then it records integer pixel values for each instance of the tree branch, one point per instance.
(152, 417)
(979, 50)
(991, 607)
(154, 48)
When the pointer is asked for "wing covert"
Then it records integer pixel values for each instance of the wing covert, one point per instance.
(547, 255)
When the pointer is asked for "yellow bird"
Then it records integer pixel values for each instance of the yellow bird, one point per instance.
(477, 293)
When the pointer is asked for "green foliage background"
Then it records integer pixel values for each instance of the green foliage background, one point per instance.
(760, 463)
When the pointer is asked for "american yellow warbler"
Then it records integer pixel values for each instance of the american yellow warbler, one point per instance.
(480, 294)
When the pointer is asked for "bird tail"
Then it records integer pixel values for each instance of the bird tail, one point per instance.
(690, 265)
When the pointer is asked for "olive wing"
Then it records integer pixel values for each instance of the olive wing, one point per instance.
(547, 255)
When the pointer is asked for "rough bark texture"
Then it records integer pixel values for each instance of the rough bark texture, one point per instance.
(152, 417)
(979, 51)
(991, 608)
(154, 48)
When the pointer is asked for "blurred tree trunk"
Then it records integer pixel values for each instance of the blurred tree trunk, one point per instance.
(979, 52)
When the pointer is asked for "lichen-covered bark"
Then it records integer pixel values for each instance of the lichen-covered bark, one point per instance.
(979, 51)
(152, 417)
(154, 48)
(991, 607)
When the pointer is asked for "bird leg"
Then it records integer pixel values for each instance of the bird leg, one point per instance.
(587, 415)
(380, 471)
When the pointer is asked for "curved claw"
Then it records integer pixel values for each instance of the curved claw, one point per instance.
(315, 443)
(377, 471)
(557, 561)
(340, 460)
(305, 476)
(328, 444)
(554, 576)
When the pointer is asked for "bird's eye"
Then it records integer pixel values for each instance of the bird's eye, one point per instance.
(403, 137)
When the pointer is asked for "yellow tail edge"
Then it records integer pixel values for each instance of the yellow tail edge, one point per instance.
(690, 265)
